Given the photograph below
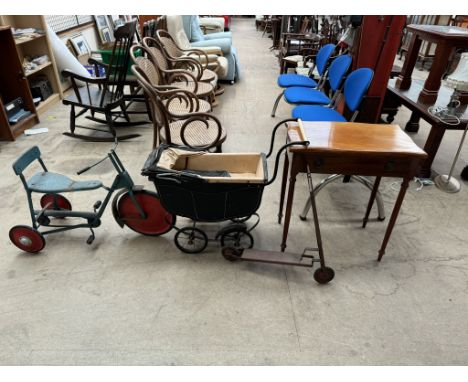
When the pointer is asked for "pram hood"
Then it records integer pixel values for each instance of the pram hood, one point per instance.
(190, 164)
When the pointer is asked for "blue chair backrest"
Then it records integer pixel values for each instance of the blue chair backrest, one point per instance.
(356, 85)
(338, 69)
(323, 55)
(26, 159)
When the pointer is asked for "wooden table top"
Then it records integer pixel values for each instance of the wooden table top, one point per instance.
(354, 138)
(440, 31)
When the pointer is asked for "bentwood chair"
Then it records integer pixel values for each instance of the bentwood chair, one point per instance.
(178, 115)
(179, 78)
(288, 80)
(177, 106)
(104, 95)
(180, 60)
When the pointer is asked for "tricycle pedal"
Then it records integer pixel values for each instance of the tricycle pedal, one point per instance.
(97, 205)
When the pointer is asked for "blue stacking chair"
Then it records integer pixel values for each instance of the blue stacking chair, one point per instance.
(336, 73)
(355, 87)
(291, 79)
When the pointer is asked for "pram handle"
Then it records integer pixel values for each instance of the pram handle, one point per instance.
(275, 129)
(275, 171)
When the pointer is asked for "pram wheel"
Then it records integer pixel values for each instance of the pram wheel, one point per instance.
(232, 254)
(191, 240)
(27, 239)
(237, 238)
(158, 221)
(324, 275)
(56, 202)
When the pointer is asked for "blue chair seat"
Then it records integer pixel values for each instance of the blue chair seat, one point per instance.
(290, 79)
(305, 96)
(317, 113)
(49, 182)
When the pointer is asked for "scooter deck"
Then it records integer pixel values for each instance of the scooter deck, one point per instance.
(272, 257)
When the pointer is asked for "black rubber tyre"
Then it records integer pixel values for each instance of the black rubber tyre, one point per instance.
(191, 240)
(324, 275)
(27, 238)
(232, 254)
(237, 238)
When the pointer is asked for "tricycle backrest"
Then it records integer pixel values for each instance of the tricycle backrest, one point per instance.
(26, 159)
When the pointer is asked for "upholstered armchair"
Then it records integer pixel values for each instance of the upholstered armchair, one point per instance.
(214, 43)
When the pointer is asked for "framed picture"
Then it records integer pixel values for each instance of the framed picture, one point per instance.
(101, 21)
(80, 45)
(106, 35)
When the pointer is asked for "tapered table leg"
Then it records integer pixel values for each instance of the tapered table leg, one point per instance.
(393, 218)
(287, 217)
(371, 200)
(284, 180)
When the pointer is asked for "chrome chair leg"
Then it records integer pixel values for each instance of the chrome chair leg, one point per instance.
(275, 106)
(361, 179)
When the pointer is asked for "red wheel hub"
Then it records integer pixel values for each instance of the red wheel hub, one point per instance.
(27, 239)
(157, 222)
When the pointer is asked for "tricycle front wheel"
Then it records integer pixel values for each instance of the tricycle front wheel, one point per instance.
(157, 220)
(27, 238)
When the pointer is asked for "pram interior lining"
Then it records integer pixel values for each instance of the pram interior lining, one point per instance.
(217, 167)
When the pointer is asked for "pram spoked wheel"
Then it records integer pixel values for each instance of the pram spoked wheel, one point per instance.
(232, 254)
(237, 238)
(324, 275)
(27, 239)
(158, 221)
(191, 240)
(56, 202)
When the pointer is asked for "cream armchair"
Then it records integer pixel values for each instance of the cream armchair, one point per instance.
(216, 60)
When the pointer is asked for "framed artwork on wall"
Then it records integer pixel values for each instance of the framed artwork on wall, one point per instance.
(80, 45)
(104, 27)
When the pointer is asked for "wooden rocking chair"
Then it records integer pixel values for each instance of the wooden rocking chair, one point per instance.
(104, 95)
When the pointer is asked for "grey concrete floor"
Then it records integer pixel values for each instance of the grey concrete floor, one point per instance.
(130, 299)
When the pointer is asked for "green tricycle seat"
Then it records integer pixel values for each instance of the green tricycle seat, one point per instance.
(50, 182)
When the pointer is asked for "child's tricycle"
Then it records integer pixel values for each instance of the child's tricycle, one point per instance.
(138, 209)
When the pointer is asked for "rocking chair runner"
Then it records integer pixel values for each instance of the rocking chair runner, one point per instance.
(104, 95)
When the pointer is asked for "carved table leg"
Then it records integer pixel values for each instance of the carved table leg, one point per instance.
(412, 126)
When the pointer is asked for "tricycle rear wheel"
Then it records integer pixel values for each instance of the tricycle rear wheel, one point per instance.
(157, 222)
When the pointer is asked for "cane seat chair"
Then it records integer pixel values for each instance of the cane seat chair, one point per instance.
(198, 130)
(104, 95)
(179, 78)
(198, 66)
(175, 106)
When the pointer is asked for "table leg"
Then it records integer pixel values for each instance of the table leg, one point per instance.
(289, 202)
(431, 147)
(371, 200)
(393, 218)
(412, 126)
(284, 180)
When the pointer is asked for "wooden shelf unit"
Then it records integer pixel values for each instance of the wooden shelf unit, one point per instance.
(36, 46)
(13, 84)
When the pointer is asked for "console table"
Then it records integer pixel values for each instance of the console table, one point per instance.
(351, 148)
(395, 97)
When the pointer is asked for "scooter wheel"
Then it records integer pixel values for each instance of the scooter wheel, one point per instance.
(324, 275)
(157, 222)
(191, 240)
(56, 202)
(27, 239)
(232, 254)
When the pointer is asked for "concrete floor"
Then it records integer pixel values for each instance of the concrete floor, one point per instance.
(130, 299)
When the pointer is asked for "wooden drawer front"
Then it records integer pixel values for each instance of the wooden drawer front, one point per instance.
(361, 165)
